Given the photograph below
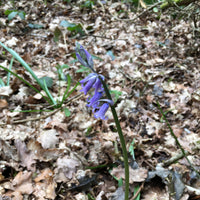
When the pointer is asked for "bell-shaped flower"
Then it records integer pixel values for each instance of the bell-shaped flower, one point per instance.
(91, 81)
(83, 56)
(103, 109)
(94, 101)
(88, 82)
(98, 85)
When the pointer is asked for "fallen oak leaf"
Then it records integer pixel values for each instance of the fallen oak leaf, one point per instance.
(26, 156)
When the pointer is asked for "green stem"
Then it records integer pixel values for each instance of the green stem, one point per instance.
(121, 137)
(176, 139)
(10, 68)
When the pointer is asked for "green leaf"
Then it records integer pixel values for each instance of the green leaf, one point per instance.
(61, 74)
(89, 130)
(7, 12)
(21, 79)
(22, 15)
(72, 27)
(57, 34)
(120, 182)
(116, 93)
(97, 58)
(35, 26)
(26, 66)
(48, 81)
(12, 15)
(67, 24)
(135, 191)
(155, 9)
(2, 84)
(82, 69)
(131, 149)
(67, 112)
(88, 4)
(48, 93)
(64, 66)
(110, 53)
(66, 95)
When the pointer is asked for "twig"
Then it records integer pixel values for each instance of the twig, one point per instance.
(140, 14)
(104, 37)
(136, 194)
(174, 159)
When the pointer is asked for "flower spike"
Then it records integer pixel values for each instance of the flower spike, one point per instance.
(83, 56)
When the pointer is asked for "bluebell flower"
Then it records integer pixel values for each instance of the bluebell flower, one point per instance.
(91, 81)
(98, 85)
(88, 82)
(94, 101)
(103, 109)
(83, 56)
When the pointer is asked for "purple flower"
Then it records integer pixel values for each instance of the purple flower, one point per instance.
(90, 81)
(93, 80)
(103, 109)
(94, 101)
(101, 112)
(83, 56)
(98, 85)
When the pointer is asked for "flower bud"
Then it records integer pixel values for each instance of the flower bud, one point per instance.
(83, 56)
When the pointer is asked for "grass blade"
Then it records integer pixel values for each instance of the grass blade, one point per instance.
(10, 68)
(17, 57)
(26, 82)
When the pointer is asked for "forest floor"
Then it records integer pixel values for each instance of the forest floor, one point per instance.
(146, 57)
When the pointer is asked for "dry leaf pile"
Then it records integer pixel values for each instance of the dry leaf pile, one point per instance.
(152, 58)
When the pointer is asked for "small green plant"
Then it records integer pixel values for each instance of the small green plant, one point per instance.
(90, 197)
(131, 149)
(136, 188)
(61, 75)
(2, 84)
(88, 4)
(74, 28)
(13, 13)
(45, 82)
(116, 93)
(82, 69)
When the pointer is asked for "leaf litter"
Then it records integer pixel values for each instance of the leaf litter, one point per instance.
(148, 60)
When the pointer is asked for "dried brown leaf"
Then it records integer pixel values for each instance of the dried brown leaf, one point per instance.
(48, 138)
(136, 175)
(26, 156)
(45, 185)
(66, 166)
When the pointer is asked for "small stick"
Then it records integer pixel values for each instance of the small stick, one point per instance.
(174, 159)
(45, 116)
(136, 194)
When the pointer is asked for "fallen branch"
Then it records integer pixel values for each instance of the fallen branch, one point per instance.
(172, 3)
(174, 159)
